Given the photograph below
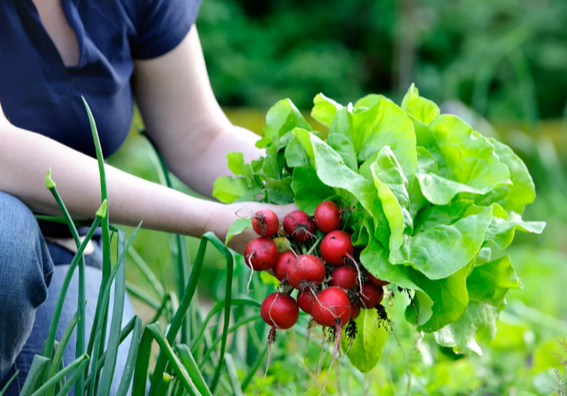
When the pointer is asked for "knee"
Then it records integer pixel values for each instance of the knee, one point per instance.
(25, 264)
(17, 220)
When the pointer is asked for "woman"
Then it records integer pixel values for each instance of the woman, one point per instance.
(109, 51)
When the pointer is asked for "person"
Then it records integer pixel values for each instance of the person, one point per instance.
(111, 52)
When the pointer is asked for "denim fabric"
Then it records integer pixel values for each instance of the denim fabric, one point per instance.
(31, 277)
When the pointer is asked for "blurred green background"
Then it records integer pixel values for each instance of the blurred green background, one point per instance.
(500, 65)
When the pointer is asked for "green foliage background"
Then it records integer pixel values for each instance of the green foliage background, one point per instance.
(507, 58)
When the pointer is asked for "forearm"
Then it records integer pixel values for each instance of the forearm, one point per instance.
(183, 118)
(25, 158)
(201, 171)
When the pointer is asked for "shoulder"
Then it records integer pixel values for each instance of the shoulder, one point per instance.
(160, 24)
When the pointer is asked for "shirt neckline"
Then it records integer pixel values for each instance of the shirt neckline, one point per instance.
(69, 13)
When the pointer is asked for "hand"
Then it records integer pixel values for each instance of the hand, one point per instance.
(221, 221)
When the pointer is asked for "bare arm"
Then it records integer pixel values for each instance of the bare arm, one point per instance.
(25, 158)
(182, 116)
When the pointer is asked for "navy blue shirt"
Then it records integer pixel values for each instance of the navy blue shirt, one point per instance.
(40, 94)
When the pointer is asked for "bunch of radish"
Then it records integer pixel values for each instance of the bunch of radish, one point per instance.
(331, 285)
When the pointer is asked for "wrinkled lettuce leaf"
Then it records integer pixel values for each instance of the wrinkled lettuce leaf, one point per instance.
(522, 191)
(443, 249)
(487, 286)
(392, 185)
(309, 190)
(370, 129)
(423, 109)
(324, 109)
(472, 165)
(332, 171)
(281, 119)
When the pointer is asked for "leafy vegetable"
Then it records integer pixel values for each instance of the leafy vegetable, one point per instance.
(238, 227)
(487, 286)
(365, 350)
(420, 108)
(227, 189)
(425, 197)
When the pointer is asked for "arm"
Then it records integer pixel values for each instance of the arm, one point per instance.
(25, 158)
(183, 118)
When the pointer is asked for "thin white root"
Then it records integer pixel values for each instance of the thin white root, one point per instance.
(248, 290)
(358, 273)
(272, 333)
(337, 345)
(320, 364)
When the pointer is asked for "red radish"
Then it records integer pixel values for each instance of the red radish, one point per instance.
(331, 307)
(299, 226)
(328, 216)
(305, 300)
(374, 280)
(261, 254)
(306, 268)
(282, 265)
(280, 311)
(344, 277)
(354, 311)
(337, 247)
(371, 295)
(265, 223)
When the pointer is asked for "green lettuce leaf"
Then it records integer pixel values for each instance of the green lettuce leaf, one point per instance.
(369, 100)
(446, 214)
(324, 109)
(504, 225)
(461, 335)
(342, 145)
(281, 119)
(295, 154)
(392, 191)
(332, 171)
(309, 190)
(483, 256)
(522, 191)
(421, 108)
(489, 282)
(366, 348)
(443, 249)
(449, 296)
(502, 229)
(375, 259)
(487, 286)
(383, 124)
(472, 164)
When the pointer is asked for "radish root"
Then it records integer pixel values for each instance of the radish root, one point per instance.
(271, 337)
(337, 346)
(358, 272)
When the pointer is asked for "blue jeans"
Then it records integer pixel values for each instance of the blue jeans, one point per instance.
(31, 277)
